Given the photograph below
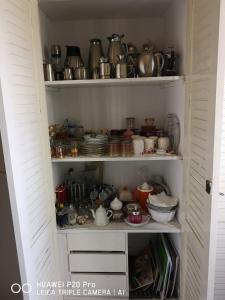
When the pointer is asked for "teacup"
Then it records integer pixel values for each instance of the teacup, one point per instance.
(163, 143)
(138, 146)
(149, 144)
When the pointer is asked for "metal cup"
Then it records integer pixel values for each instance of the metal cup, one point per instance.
(49, 73)
(68, 74)
(81, 73)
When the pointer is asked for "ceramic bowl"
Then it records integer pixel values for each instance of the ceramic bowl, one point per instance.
(161, 209)
(162, 217)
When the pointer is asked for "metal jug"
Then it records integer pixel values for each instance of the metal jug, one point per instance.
(115, 49)
(95, 53)
(150, 64)
(73, 57)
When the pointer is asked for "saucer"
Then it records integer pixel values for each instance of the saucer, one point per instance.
(145, 220)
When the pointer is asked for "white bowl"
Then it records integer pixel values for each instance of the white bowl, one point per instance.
(162, 217)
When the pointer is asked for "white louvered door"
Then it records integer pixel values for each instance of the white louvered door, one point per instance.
(219, 278)
(202, 92)
(25, 142)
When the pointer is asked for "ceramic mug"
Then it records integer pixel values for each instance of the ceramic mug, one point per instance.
(138, 146)
(163, 143)
(155, 138)
(149, 144)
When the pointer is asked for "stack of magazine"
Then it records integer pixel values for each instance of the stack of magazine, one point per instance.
(154, 272)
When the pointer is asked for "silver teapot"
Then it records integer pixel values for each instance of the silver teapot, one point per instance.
(150, 63)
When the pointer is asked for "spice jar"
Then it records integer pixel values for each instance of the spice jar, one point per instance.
(59, 151)
(130, 122)
(114, 147)
(126, 148)
(74, 149)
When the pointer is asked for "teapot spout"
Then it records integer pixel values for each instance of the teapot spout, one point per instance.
(93, 213)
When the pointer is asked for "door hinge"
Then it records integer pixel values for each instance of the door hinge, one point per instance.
(208, 186)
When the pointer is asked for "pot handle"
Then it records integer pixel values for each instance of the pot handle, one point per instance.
(109, 213)
(162, 64)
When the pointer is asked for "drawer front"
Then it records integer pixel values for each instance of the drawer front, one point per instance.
(96, 241)
(97, 262)
(101, 282)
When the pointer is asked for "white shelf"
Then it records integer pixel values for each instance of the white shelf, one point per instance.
(145, 157)
(151, 227)
(113, 82)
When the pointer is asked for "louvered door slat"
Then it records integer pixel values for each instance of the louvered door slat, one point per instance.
(24, 132)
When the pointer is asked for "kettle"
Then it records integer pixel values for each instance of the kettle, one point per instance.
(150, 64)
(101, 216)
(115, 50)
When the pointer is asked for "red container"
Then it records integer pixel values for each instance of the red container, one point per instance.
(141, 194)
(60, 192)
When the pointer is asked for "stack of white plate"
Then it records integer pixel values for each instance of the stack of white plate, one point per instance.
(162, 207)
(94, 145)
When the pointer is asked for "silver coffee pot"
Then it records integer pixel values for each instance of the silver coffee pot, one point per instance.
(150, 63)
(95, 53)
(115, 50)
(73, 57)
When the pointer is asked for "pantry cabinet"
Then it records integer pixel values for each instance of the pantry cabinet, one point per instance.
(28, 105)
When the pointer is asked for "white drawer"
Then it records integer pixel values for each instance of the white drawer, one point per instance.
(96, 241)
(111, 282)
(97, 262)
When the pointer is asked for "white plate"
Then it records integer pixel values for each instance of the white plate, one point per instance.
(145, 220)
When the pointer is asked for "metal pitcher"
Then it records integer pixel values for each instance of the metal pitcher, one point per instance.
(95, 53)
(115, 50)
